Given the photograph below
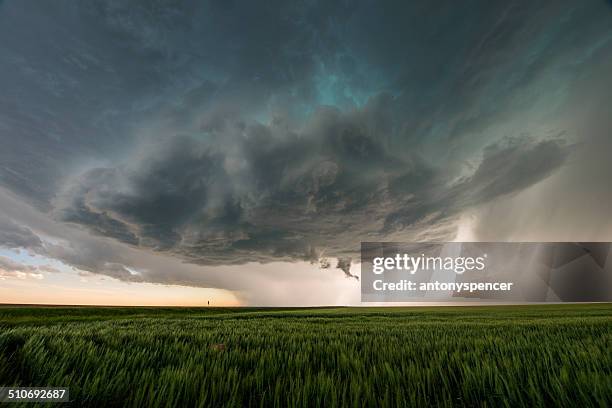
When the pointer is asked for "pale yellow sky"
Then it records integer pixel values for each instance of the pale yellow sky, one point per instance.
(106, 291)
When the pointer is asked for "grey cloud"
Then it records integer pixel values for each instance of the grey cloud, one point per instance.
(11, 268)
(514, 166)
(280, 194)
(344, 264)
(16, 236)
(98, 258)
(78, 252)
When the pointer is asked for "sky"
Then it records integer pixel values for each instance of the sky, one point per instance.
(238, 152)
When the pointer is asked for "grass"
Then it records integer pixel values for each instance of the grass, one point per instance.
(512, 356)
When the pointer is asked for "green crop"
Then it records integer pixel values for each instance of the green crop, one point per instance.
(510, 356)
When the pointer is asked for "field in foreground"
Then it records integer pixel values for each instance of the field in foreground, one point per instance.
(554, 355)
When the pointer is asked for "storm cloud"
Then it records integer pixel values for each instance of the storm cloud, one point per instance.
(17, 236)
(273, 194)
(227, 132)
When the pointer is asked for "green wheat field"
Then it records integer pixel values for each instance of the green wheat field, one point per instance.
(512, 356)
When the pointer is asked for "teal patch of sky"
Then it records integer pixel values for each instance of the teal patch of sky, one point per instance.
(336, 88)
(333, 86)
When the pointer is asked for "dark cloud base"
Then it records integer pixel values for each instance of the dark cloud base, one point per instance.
(271, 193)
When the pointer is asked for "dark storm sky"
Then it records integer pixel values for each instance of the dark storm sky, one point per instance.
(225, 132)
